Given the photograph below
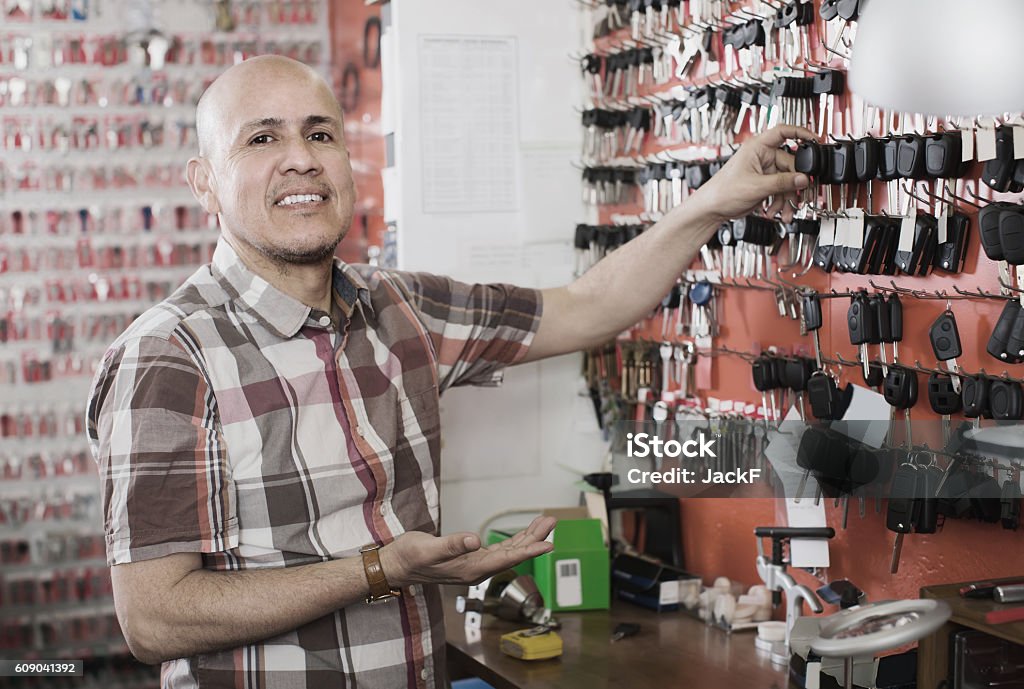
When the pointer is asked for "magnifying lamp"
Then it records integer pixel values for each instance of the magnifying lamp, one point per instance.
(939, 57)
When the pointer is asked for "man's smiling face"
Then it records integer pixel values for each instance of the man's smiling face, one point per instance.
(272, 144)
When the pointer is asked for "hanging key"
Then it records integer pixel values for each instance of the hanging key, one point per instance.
(999, 342)
(827, 85)
(911, 161)
(1005, 400)
(903, 509)
(998, 173)
(974, 392)
(863, 328)
(812, 321)
(944, 400)
(1011, 234)
(944, 156)
(798, 374)
(900, 392)
(765, 381)
(927, 489)
(945, 340)
(952, 253)
(671, 302)
(1014, 353)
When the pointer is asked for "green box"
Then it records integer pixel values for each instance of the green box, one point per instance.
(575, 575)
(499, 535)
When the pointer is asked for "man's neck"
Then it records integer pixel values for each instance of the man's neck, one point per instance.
(309, 284)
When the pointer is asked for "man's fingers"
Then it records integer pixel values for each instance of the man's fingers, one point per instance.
(782, 183)
(541, 527)
(776, 136)
(538, 529)
(784, 161)
(459, 544)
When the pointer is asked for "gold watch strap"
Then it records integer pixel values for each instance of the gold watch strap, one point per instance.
(379, 587)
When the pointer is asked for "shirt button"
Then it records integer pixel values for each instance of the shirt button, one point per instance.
(383, 510)
(412, 590)
(359, 430)
(325, 321)
(424, 674)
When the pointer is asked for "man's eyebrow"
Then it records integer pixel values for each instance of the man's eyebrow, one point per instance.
(264, 123)
(314, 120)
(277, 123)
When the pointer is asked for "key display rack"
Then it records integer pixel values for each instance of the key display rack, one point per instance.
(97, 103)
(899, 270)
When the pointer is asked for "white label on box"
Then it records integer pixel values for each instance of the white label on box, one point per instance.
(668, 593)
(568, 583)
(813, 675)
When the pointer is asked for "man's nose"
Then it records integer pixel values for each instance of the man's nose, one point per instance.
(299, 156)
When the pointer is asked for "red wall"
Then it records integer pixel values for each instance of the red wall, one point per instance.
(362, 124)
(718, 533)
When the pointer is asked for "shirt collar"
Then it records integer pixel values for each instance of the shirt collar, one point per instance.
(279, 312)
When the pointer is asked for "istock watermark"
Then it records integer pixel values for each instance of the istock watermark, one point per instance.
(643, 445)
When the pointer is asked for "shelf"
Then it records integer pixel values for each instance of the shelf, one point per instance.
(84, 527)
(85, 651)
(10, 572)
(971, 612)
(65, 610)
(933, 656)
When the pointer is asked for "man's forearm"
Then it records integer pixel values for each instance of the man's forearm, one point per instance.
(208, 611)
(628, 283)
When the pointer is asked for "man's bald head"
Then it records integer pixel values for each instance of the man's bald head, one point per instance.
(272, 162)
(214, 112)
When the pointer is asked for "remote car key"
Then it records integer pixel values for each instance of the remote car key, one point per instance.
(974, 394)
(945, 339)
(1005, 400)
(903, 509)
(998, 342)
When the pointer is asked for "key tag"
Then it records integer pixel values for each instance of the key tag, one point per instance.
(986, 139)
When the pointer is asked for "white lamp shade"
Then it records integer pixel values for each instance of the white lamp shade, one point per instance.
(939, 57)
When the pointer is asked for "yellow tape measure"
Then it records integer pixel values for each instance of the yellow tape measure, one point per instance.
(537, 643)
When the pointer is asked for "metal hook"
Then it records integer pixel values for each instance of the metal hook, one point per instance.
(834, 52)
(974, 193)
(843, 362)
(1010, 287)
(979, 294)
(960, 198)
(925, 369)
(880, 288)
(913, 195)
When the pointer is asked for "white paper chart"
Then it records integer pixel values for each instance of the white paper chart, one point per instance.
(470, 132)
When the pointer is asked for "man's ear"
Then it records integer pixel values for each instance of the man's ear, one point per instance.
(203, 186)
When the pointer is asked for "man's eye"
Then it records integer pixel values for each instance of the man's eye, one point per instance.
(261, 139)
(320, 136)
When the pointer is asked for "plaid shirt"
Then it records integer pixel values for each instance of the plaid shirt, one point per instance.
(233, 421)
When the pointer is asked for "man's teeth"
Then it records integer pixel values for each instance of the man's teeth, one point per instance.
(299, 198)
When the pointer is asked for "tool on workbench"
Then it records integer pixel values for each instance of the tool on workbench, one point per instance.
(773, 572)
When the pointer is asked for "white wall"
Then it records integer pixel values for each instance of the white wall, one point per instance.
(528, 442)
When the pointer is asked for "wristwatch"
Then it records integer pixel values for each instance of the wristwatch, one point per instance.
(380, 589)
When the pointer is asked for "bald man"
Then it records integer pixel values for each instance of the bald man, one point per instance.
(268, 436)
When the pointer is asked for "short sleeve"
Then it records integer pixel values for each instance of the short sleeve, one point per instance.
(154, 433)
(476, 330)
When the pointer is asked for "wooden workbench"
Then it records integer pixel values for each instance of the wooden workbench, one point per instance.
(671, 650)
